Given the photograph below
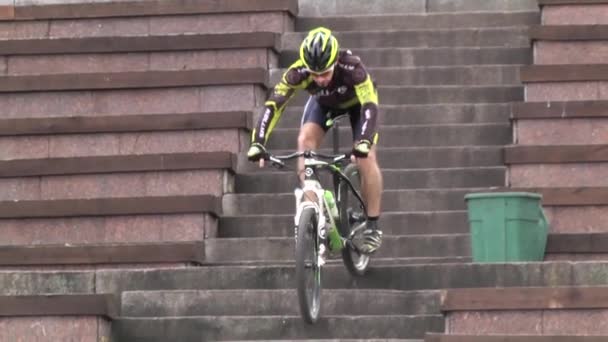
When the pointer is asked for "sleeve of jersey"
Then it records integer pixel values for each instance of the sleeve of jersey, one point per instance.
(368, 97)
(276, 102)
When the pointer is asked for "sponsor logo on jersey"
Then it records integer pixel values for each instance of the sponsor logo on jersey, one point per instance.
(324, 92)
(264, 122)
(368, 115)
(346, 66)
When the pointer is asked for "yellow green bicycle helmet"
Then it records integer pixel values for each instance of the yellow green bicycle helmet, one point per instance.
(319, 50)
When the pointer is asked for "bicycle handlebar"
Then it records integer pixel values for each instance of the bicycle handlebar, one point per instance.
(280, 160)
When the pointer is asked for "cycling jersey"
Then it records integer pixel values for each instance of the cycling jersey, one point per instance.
(350, 86)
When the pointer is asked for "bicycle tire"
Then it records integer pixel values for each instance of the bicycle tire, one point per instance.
(355, 262)
(307, 248)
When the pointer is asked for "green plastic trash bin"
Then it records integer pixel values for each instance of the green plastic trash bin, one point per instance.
(507, 226)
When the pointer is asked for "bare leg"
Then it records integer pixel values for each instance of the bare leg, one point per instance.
(310, 137)
(371, 182)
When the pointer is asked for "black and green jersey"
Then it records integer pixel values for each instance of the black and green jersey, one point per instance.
(350, 85)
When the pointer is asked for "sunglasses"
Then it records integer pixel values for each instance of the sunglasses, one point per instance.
(321, 73)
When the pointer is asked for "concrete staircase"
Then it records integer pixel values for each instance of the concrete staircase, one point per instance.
(135, 120)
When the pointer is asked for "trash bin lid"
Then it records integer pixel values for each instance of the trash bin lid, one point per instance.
(477, 195)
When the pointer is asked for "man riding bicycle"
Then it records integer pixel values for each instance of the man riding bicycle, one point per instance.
(338, 84)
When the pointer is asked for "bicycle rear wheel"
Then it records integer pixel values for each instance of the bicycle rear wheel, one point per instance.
(308, 271)
(349, 207)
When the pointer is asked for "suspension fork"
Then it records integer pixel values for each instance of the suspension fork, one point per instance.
(317, 203)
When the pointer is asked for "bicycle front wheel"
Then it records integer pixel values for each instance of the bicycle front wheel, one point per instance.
(308, 270)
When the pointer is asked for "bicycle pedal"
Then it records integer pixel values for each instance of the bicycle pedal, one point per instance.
(356, 230)
(350, 244)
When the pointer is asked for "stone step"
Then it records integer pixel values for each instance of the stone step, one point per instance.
(556, 31)
(413, 157)
(579, 109)
(553, 175)
(392, 223)
(429, 114)
(377, 262)
(164, 254)
(467, 308)
(430, 56)
(90, 316)
(571, 16)
(397, 277)
(132, 101)
(272, 250)
(26, 44)
(190, 329)
(118, 164)
(184, 303)
(559, 132)
(102, 305)
(168, 253)
(566, 52)
(114, 62)
(332, 7)
(409, 136)
(577, 219)
(55, 123)
(133, 80)
(509, 36)
(347, 340)
(58, 9)
(455, 20)
(490, 75)
(273, 182)
(418, 157)
(439, 94)
(117, 206)
(239, 24)
(111, 144)
(125, 228)
(336, 260)
(559, 92)
(117, 185)
(519, 337)
(393, 200)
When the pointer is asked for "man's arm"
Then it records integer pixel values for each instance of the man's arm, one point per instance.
(368, 97)
(292, 80)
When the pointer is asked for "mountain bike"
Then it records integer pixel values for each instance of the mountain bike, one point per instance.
(323, 220)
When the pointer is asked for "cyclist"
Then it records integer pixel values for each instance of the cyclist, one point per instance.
(338, 83)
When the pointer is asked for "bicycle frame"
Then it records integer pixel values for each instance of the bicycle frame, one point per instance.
(313, 185)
